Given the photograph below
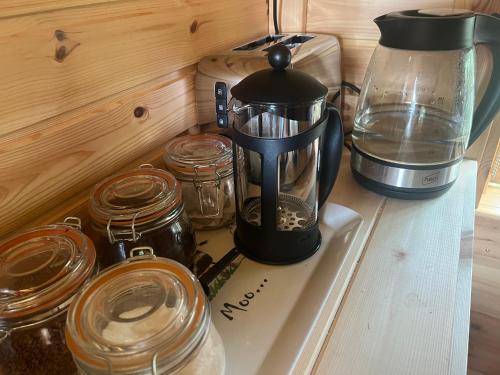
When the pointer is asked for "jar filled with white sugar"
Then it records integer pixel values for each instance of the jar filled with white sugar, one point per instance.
(146, 315)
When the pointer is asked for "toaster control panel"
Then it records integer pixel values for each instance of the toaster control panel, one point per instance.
(221, 104)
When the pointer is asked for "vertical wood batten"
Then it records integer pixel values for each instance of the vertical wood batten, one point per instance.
(292, 15)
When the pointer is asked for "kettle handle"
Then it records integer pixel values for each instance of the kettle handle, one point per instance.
(487, 31)
(333, 143)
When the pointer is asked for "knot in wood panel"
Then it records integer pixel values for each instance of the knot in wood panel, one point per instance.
(60, 35)
(64, 46)
(194, 27)
(139, 112)
(60, 53)
(400, 254)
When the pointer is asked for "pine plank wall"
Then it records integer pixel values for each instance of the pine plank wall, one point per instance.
(92, 86)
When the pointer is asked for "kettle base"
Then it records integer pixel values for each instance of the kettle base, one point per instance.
(403, 181)
(401, 193)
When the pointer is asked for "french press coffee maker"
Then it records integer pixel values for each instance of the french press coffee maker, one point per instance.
(287, 146)
(415, 115)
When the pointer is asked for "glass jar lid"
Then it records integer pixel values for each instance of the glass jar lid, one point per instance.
(41, 270)
(143, 312)
(135, 197)
(202, 154)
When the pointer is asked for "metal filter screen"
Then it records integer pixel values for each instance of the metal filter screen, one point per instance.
(293, 213)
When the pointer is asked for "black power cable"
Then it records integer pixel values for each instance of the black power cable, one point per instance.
(355, 89)
(350, 85)
(335, 96)
(275, 17)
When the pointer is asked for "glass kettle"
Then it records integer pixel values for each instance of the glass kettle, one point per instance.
(415, 116)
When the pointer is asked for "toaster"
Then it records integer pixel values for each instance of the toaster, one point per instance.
(315, 54)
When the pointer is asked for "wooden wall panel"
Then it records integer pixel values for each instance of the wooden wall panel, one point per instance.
(47, 163)
(485, 313)
(481, 6)
(9, 8)
(356, 54)
(73, 74)
(354, 19)
(487, 157)
(56, 61)
(292, 15)
(77, 205)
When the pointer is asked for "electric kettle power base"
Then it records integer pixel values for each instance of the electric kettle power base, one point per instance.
(400, 181)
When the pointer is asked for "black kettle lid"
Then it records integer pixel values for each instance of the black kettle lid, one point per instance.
(279, 85)
(427, 29)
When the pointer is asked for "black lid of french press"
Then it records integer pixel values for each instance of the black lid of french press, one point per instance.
(279, 85)
(427, 30)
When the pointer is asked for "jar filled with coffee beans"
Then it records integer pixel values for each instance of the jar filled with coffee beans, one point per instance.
(140, 207)
(41, 270)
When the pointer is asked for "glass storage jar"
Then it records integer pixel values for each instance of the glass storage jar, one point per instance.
(146, 315)
(141, 207)
(203, 165)
(40, 272)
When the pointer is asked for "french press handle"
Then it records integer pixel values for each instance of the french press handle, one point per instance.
(333, 143)
(487, 31)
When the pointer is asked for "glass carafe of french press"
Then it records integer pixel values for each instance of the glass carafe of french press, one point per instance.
(415, 115)
(287, 149)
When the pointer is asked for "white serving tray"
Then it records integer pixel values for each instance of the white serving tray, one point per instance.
(274, 319)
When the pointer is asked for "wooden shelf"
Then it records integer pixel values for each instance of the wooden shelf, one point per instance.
(407, 310)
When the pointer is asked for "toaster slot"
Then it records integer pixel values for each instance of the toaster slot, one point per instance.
(259, 42)
(295, 41)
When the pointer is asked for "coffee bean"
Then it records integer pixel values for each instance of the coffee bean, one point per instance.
(39, 350)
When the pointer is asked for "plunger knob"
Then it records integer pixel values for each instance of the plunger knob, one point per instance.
(279, 56)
